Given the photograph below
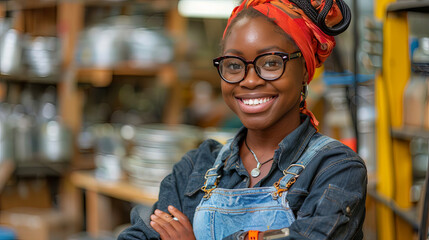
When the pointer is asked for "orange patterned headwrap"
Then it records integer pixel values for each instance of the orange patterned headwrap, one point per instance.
(315, 44)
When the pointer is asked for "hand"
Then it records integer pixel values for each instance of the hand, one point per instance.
(169, 228)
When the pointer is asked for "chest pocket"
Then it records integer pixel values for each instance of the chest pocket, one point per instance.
(193, 194)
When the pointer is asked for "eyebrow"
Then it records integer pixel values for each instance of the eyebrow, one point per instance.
(233, 51)
(276, 48)
(264, 50)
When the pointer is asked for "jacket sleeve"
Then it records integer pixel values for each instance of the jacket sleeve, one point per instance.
(139, 229)
(171, 192)
(333, 205)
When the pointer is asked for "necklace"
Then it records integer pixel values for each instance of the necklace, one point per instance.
(256, 171)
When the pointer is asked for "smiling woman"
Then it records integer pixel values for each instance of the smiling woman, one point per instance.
(278, 178)
(254, 38)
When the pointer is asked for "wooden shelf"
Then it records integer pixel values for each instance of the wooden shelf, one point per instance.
(29, 4)
(411, 6)
(408, 133)
(37, 167)
(101, 77)
(30, 79)
(120, 189)
(98, 198)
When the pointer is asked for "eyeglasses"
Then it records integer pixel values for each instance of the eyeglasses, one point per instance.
(268, 66)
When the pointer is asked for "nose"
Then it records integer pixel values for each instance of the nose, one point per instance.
(252, 79)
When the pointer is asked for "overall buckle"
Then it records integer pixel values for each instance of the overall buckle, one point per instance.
(286, 171)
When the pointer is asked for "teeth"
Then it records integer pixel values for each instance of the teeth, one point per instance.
(256, 101)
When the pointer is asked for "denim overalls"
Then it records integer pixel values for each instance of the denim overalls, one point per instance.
(223, 212)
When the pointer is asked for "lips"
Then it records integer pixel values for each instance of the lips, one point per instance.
(256, 101)
(255, 104)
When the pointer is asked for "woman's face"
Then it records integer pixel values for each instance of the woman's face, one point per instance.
(248, 38)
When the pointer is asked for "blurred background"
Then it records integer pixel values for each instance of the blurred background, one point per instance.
(99, 99)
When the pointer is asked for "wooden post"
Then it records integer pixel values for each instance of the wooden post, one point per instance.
(2, 10)
(176, 25)
(6, 169)
(70, 23)
(98, 210)
(70, 17)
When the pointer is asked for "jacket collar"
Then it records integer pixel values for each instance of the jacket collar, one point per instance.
(288, 151)
(294, 144)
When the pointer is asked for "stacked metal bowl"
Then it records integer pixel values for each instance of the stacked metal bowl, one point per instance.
(157, 148)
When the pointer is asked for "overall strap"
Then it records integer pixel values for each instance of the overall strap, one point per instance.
(293, 171)
(212, 175)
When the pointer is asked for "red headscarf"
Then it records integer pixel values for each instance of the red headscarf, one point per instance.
(314, 44)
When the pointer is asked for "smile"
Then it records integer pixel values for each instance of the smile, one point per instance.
(256, 101)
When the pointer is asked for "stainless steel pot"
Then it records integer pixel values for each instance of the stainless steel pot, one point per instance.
(55, 142)
(10, 52)
(142, 170)
(25, 132)
(42, 55)
(6, 143)
(108, 167)
(157, 148)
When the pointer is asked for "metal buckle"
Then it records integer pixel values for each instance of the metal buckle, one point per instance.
(280, 190)
(211, 175)
(208, 192)
(207, 175)
(286, 171)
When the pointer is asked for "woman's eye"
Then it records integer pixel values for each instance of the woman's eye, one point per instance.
(272, 64)
(234, 67)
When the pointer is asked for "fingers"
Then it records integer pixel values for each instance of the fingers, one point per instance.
(180, 217)
(175, 226)
(165, 216)
(162, 223)
(159, 229)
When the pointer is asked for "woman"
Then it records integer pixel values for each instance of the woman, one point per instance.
(278, 178)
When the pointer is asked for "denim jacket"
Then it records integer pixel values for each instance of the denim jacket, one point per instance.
(328, 198)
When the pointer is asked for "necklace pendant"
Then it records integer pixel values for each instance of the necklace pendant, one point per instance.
(255, 172)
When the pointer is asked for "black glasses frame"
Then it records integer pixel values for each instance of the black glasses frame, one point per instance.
(285, 56)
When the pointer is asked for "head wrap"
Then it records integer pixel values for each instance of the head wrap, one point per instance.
(310, 23)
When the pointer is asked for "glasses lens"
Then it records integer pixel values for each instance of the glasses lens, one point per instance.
(270, 67)
(232, 69)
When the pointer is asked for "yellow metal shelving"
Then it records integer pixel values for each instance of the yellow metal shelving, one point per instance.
(394, 165)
